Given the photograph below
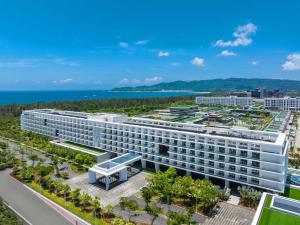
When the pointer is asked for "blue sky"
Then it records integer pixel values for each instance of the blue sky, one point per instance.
(95, 44)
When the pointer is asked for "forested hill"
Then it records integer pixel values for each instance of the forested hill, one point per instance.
(230, 84)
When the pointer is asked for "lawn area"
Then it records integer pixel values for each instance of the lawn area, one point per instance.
(273, 217)
(292, 193)
(69, 205)
(85, 147)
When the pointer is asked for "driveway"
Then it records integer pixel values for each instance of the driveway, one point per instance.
(25, 202)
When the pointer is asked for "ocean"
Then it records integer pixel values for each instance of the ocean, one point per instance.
(24, 97)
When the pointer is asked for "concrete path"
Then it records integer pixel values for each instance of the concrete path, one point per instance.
(31, 207)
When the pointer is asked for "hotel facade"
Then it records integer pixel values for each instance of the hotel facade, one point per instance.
(226, 101)
(244, 157)
(286, 104)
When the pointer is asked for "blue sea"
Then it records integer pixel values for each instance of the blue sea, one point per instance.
(24, 97)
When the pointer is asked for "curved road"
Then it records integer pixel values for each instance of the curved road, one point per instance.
(25, 202)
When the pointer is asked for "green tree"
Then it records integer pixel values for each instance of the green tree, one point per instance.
(154, 211)
(162, 184)
(205, 194)
(147, 195)
(65, 190)
(176, 218)
(128, 205)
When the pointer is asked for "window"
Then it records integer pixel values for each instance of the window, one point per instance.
(221, 173)
(231, 175)
(221, 158)
(255, 155)
(232, 160)
(231, 168)
(211, 156)
(221, 165)
(243, 154)
(221, 150)
(243, 170)
(232, 151)
(243, 162)
(255, 164)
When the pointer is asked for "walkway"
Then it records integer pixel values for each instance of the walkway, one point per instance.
(227, 214)
(32, 208)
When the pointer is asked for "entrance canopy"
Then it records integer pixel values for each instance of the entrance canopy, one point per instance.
(113, 166)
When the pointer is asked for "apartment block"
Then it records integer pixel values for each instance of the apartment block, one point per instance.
(245, 157)
(226, 101)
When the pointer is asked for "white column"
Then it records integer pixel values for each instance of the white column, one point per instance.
(156, 167)
(206, 177)
(92, 177)
(123, 175)
(188, 173)
(227, 183)
(143, 164)
(106, 183)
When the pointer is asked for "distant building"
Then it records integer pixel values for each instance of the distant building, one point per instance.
(240, 93)
(259, 93)
(286, 104)
(226, 101)
(184, 110)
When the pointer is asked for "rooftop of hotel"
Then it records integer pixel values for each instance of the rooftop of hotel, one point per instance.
(264, 136)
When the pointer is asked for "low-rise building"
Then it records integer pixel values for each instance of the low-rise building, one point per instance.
(286, 104)
(226, 101)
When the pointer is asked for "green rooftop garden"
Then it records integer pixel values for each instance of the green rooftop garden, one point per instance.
(292, 193)
(271, 217)
(84, 147)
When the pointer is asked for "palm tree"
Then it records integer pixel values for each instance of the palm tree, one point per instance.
(84, 200)
(54, 162)
(75, 196)
(22, 152)
(33, 158)
(64, 190)
(95, 203)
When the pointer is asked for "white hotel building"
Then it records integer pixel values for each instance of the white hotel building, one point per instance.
(226, 101)
(286, 104)
(252, 158)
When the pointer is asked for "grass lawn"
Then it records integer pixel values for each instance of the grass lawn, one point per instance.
(292, 193)
(273, 217)
(69, 205)
(85, 147)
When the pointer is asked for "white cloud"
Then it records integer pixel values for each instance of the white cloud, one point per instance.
(142, 42)
(124, 81)
(175, 64)
(64, 81)
(65, 62)
(123, 44)
(292, 63)
(20, 63)
(163, 54)
(241, 35)
(146, 80)
(227, 53)
(152, 79)
(198, 62)
(254, 62)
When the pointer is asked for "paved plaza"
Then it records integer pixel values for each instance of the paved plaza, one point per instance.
(227, 214)
(112, 196)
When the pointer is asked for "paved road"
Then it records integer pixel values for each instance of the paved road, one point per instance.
(28, 204)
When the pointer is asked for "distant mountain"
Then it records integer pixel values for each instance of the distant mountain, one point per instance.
(230, 84)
